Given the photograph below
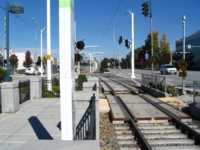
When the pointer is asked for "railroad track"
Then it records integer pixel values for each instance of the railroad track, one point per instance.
(143, 122)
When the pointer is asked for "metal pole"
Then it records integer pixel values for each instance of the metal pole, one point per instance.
(90, 63)
(151, 26)
(66, 47)
(41, 50)
(7, 36)
(49, 78)
(132, 46)
(184, 35)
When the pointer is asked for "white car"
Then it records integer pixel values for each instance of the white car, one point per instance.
(168, 69)
(31, 71)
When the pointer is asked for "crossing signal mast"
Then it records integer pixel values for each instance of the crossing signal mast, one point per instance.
(147, 12)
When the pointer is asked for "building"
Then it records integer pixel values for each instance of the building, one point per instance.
(192, 49)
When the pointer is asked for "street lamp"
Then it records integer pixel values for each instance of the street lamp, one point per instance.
(49, 57)
(132, 46)
(184, 35)
(13, 9)
(41, 50)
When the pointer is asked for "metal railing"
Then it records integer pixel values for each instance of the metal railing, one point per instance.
(55, 88)
(86, 129)
(154, 81)
(24, 91)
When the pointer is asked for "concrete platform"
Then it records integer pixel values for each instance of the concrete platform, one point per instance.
(141, 109)
(116, 111)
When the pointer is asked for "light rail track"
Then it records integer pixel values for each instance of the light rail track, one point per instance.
(148, 123)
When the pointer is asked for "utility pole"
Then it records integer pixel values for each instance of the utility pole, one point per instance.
(49, 57)
(184, 35)
(66, 47)
(132, 46)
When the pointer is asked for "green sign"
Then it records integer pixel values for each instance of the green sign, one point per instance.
(65, 3)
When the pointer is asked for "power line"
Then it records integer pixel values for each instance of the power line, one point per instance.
(112, 19)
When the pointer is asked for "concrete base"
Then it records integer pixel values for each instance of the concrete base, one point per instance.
(36, 87)
(9, 97)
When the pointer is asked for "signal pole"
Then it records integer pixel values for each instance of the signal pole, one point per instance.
(66, 47)
(151, 26)
(49, 57)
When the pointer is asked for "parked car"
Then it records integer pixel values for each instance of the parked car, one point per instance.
(31, 71)
(168, 69)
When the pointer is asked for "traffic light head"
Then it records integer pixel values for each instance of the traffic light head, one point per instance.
(127, 44)
(80, 45)
(145, 9)
(120, 40)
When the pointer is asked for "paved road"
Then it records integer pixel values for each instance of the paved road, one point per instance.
(171, 79)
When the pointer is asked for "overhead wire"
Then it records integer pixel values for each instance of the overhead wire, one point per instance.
(109, 25)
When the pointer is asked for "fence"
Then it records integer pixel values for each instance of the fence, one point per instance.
(55, 88)
(24, 91)
(196, 91)
(153, 81)
(86, 129)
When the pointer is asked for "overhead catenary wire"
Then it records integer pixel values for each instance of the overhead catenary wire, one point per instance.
(110, 23)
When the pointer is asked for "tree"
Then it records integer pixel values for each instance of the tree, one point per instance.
(28, 60)
(164, 50)
(13, 61)
(104, 65)
(38, 63)
(156, 49)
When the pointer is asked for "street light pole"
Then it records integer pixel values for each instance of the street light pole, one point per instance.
(49, 57)
(184, 35)
(7, 38)
(41, 49)
(13, 9)
(132, 46)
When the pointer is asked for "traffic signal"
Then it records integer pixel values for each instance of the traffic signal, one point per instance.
(145, 9)
(127, 44)
(80, 45)
(120, 40)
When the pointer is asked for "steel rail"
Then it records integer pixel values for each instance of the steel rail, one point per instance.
(192, 133)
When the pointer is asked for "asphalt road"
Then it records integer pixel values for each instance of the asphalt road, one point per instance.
(171, 79)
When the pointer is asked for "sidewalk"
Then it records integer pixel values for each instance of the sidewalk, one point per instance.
(36, 120)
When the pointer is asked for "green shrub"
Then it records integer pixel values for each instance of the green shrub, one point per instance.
(79, 82)
(2, 74)
(56, 89)
(172, 90)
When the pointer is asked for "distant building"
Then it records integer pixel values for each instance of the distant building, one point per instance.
(193, 53)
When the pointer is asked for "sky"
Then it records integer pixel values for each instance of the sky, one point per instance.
(101, 22)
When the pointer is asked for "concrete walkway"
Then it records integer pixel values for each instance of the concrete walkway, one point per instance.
(36, 120)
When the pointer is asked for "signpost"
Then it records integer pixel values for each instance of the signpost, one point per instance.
(66, 55)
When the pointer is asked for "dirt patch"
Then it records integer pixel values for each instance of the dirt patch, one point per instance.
(107, 134)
